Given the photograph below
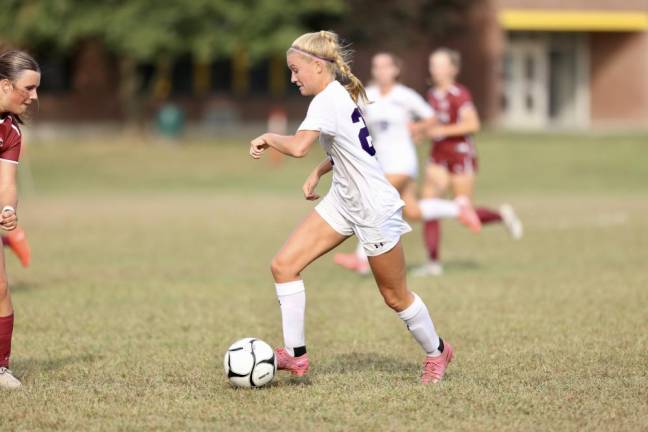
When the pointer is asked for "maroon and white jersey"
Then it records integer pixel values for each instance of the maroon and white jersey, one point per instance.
(447, 106)
(10, 139)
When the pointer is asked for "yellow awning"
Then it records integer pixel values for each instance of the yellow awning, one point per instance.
(572, 20)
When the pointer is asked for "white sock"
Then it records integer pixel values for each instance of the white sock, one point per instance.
(292, 300)
(419, 323)
(360, 253)
(435, 208)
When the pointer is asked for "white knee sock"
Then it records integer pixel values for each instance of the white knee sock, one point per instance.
(360, 253)
(419, 323)
(434, 208)
(292, 300)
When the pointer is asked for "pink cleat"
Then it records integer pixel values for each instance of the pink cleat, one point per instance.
(467, 215)
(352, 262)
(297, 366)
(434, 367)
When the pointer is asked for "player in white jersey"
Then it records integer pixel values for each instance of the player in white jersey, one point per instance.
(393, 110)
(360, 201)
(393, 107)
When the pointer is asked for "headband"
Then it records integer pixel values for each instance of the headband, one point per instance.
(310, 54)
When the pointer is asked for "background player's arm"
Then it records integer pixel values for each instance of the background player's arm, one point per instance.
(8, 194)
(313, 179)
(421, 112)
(297, 145)
(419, 128)
(468, 123)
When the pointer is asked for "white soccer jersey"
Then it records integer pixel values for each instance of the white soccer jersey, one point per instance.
(388, 117)
(359, 187)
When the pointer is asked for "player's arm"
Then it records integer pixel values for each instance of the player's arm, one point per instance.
(422, 111)
(419, 128)
(467, 124)
(313, 179)
(8, 195)
(297, 145)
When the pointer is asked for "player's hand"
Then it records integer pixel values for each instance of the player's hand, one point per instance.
(309, 187)
(8, 219)
(416, 130)
(436, 132)
(258, 146)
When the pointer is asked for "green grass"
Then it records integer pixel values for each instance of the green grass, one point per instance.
(150, 260)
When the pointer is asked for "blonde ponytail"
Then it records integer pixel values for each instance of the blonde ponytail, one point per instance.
(325, 45)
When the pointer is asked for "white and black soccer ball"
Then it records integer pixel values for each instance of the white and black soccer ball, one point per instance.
(250, 363)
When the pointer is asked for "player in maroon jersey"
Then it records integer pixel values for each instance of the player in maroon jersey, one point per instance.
(19, 80)
(453, 158)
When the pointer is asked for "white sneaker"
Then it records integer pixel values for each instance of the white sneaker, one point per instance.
(8, 380)
(430, 268)
(512, 221)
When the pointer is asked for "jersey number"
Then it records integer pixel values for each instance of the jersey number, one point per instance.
(363, 135)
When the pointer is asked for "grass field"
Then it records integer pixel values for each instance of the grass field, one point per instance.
(150, 260)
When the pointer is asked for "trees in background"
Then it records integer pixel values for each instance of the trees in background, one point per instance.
(160, 31)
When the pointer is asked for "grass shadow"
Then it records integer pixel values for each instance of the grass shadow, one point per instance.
(361, 362)
(21, 286)
(462, 265)
(26, 366)
(293, 381)
(454, 266)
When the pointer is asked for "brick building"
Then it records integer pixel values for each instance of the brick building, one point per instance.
(574, 62)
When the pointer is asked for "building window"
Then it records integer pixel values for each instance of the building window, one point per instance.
(260, 77)
(221, 76)
(56, 76)
(182, 77)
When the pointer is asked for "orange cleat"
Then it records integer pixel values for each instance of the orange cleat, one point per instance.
(16, 240)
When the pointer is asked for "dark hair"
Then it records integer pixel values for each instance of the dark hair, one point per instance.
(12, 64)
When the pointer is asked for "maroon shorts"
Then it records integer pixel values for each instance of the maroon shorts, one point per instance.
(456, 162)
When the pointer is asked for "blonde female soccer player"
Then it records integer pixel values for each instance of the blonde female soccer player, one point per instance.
(361, 201)
(393, 111)
(19, 80)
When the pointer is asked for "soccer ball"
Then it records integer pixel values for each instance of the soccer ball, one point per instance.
(249, 363)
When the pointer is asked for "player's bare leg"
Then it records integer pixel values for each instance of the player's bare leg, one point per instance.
(463, 185)
(357, 260)
(435, 185)
(390, 275)
(7, 379)
(312, 238)
(436, 181)
(399, 181)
